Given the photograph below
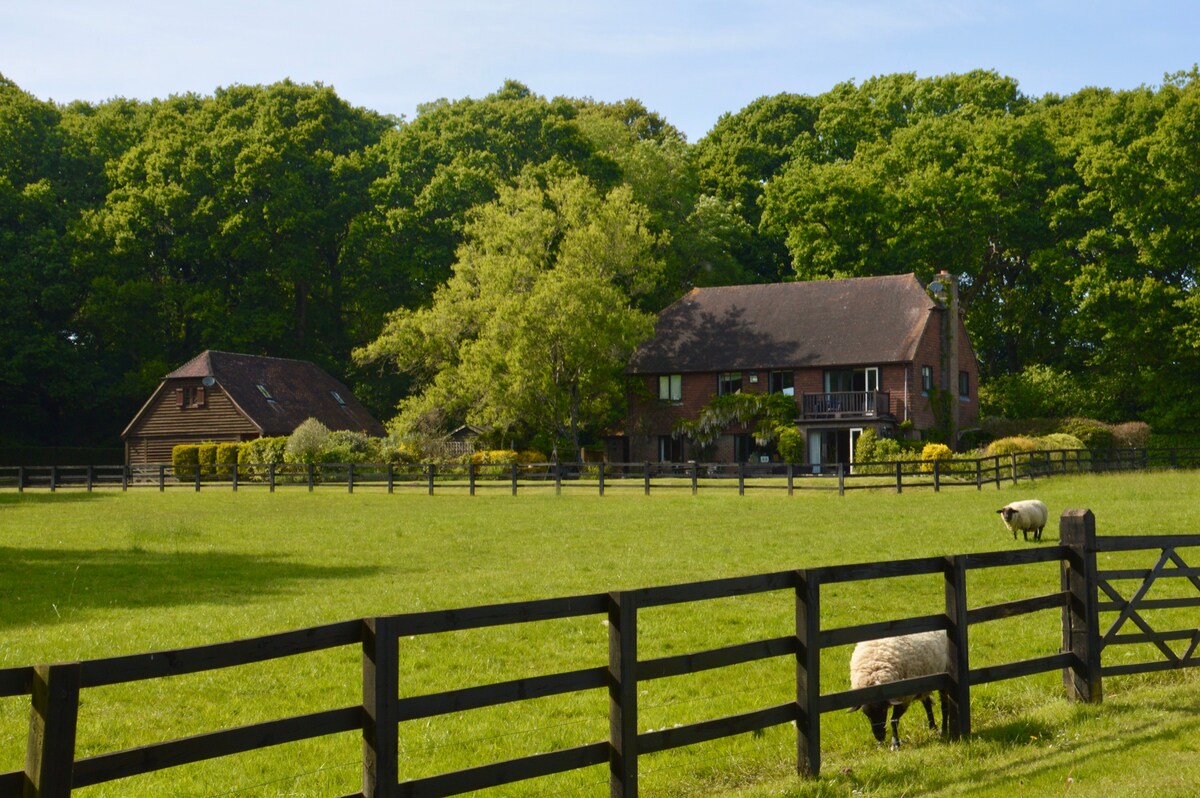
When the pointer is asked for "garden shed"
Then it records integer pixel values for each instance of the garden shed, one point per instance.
(224, 396)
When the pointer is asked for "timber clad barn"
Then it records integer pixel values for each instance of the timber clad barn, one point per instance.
(221, 396)
(863, 353)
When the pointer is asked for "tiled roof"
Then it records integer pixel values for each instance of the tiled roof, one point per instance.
(821, 323)
(292, 391)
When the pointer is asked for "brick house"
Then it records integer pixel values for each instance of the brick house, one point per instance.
(223, 396)
(856, 354)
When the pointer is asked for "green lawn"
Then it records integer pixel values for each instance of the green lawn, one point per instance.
(107, 573)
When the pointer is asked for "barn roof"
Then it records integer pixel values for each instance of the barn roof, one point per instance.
(278, 394)
(820, 323)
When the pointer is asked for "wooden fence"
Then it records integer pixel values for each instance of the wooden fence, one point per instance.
(51, 769)
(605, 477)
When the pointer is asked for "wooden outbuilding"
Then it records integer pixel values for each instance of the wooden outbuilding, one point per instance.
(223, 396)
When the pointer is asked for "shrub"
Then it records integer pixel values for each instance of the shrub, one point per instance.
(494, 457)
(307, 442)
(1016, 444)
(259, 453)
(1131, 434)
(207, 456)
(1094, 434)
(227, 455)
(393, 450)
(932, 452)
(185, 458)
(1057, 440)
(791, 444)
(529, 456)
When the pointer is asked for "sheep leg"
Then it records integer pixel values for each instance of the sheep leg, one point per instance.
(1037, 536)
(898, 710)
(928, 702)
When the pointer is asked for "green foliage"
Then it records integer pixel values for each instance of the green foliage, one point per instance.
(206, 455)
(1017, 444)
(1058, 440)
(227, 455)
(307, 443)
(185, 459)
(534, 329)
(1037, 391)
(790, 444)
(765, 414)
(258, 453)
(1092, 433)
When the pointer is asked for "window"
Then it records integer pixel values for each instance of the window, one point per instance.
(729, 382)
(338, 398)
(670, 449)
(670, 387)
(191, 397)
(783, 382)
(926, 379)
(742, 448)
(964, 385)
(266, 394)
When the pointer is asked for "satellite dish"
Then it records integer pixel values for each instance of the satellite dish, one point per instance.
(208, 382)
(936, 287)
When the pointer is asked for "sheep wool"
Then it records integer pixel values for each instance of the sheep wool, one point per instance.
(892, 659)
(1026, 516)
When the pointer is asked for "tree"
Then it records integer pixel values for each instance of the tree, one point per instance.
(531, 334)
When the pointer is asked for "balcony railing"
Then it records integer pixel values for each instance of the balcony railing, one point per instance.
(846, 404)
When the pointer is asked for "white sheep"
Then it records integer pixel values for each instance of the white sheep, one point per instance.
(891, 659)
(1026, 515)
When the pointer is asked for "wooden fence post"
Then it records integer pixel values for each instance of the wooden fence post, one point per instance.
(899, 477)
(20, 479)
(310, 472)
(841, 474)
(198, 469)
(350, 477)
(979, 475)
(557, 478)
(391, 477)
(514, 479)
(646, 478)
(50, 751)
(622, 695)
(53, 478)
(162, 478)
(791, 474)
(1081, 621)
(937, 476)
(381, 692)
(234, 478)
(91, 476)
(808, 673)
(470, 479)
(124, 478)
(958, 697)
(741, 479)
(695, 477)
(271, 477)
(432, 467)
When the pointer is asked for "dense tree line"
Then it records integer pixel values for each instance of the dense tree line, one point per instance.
(494, 260)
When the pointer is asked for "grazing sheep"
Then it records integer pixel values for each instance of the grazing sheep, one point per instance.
(892, 659)
(1025, 515)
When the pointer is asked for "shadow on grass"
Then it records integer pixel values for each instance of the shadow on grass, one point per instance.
(50, 586)
(58, 497)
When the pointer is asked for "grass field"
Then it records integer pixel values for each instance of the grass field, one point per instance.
(107, 573)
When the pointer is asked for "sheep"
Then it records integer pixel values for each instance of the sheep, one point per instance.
(892, 659)
(1030, 514)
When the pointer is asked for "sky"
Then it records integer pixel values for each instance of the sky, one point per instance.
(689, 61)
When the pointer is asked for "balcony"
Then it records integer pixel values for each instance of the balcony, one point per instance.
(845, 404)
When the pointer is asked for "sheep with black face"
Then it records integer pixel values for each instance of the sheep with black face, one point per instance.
(1025, 516)
(893, 659)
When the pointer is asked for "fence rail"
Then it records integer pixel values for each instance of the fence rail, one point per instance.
(51, 768)
(604, 477)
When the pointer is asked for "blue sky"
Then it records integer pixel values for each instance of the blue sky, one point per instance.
(689, 61)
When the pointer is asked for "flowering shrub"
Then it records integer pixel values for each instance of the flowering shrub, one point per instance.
(932, 452)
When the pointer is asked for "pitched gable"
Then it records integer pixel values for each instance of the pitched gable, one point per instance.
(279, 394)
(819, 323)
